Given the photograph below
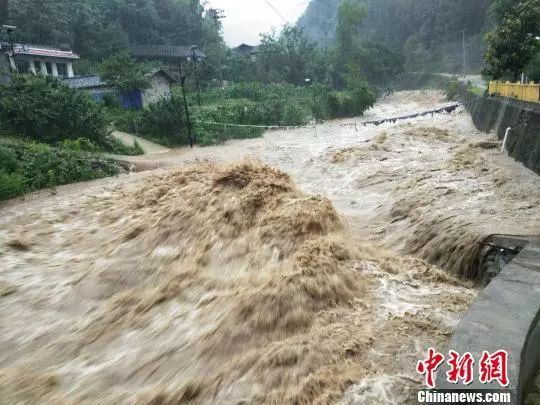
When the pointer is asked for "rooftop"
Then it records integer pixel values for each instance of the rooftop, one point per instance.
(94, 81)
(245, 49)
(84, 82)
(164, 51)
(39, 50)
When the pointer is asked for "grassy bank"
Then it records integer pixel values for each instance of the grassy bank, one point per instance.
(27, 166)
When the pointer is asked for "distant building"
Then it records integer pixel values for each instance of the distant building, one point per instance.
(38, 59)
(247, 51)
(160, 88)
(170, 55)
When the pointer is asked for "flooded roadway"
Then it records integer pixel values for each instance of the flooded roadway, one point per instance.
(203, 283)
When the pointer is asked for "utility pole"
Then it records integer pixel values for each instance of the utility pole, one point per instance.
(464, 54)
(183, 84)
(194, 59)
(218, 14)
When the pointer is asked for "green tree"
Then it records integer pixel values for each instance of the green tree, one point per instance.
(43, 109)
(41, 22)
(351, 14)
(99, 28)
(289, 57)
(124, 73)
(513, 43)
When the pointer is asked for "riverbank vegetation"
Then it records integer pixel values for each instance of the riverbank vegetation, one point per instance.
(293, 80)
(52, 135)
(27, 166)
(252, 104)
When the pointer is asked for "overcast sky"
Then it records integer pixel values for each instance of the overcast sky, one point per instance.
(246, 19)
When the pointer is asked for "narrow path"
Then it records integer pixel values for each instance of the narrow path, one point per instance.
(148, 146)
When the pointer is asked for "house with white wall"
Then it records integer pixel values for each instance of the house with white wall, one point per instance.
(159, 88)
(38, 59)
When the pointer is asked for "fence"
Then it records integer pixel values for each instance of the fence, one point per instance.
(524, 92)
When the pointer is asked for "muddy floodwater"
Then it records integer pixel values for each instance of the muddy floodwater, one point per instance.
(310, 266)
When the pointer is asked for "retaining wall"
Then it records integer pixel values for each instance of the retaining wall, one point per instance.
(497, 114)
(505, 317)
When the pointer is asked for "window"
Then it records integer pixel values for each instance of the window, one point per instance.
(49, 68)
(37, 66)
(62, 69)
(23, 66)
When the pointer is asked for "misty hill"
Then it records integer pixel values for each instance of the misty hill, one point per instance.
(428, 33)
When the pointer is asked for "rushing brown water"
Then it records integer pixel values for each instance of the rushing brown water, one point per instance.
(215, 283)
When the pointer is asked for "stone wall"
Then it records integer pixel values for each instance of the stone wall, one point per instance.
(497, 114)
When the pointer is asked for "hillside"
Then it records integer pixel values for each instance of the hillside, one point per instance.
(427, 32)
(97, 28)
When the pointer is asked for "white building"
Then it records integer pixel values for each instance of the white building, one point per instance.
(39, 60)
(159, 88)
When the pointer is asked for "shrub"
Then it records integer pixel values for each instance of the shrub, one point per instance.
(244, 104)
(349, 103)
(163, 122)
(452, 90)
(79, 145)
(43, 109)
(31, 166)
(11, 185)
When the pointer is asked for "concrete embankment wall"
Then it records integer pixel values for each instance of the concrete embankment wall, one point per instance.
(498, 114)
(505, 316)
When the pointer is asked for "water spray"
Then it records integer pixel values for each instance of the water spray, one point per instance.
(505, 139)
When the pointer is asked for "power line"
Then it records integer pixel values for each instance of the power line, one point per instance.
(276, 11)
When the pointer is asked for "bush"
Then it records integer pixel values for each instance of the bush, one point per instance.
(243, 104)
(349, 103)
(79, 145)
(32, 166)
(163, 122)
(11, 185)
(43, 109)
(452, 90)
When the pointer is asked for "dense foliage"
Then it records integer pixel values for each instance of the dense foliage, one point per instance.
(98, 28)
(428, 33)
(163, 122)
(27, 166)
(286, 57)
(513, 45)
(44, 109)
(124, 73)
(255, 103)
(290, 57)
(355, 59)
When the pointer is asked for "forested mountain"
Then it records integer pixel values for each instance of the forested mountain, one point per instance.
(429, 33)
(98, 28)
